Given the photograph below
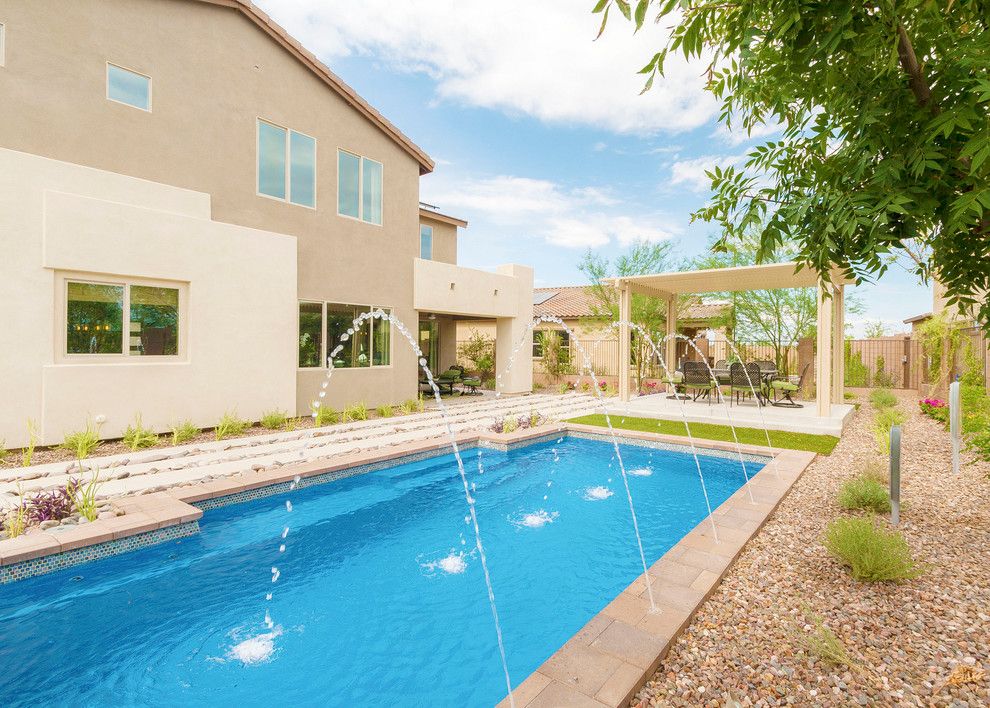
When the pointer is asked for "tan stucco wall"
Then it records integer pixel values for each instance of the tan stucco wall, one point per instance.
(237, 316)
(213, 74)
(444, 240)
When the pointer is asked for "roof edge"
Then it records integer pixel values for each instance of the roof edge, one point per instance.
(443, 218)
(350, 96)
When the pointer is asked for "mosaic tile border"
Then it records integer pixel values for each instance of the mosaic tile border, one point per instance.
(78, 556)
(672, 447)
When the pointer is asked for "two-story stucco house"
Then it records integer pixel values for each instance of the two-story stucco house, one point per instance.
(193, 209)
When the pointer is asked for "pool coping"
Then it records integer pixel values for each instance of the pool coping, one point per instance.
(604, 664)
(608, 660)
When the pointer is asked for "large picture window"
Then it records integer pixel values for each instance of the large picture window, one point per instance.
(95, 319)
(286, 164)
(369, 346)
(359, 187)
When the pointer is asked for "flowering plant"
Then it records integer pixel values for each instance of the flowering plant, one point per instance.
(935, 408)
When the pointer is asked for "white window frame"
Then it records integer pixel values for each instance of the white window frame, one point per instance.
(62, 312)
(324, 344)
(287, 177)
(421, 227)
(360, 194)
(151, 92)
(3, 44)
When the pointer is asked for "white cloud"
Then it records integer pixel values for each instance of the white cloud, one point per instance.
(691, 172)
(738, 135)
(578, 217)
(537, 59)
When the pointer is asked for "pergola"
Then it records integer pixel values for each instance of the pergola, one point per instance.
(829, 359)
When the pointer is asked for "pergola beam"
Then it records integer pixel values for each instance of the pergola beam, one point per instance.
(823, 357)
(625, 343)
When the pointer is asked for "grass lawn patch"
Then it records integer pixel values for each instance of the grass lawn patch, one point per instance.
(823, 444)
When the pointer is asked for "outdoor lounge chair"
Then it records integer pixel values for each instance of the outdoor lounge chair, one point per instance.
(698, 379)
(745, 380)
(448, 379)
(471, 383)
(779, 391)
(675, 382)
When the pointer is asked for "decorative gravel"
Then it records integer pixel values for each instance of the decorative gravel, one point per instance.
(925, 642)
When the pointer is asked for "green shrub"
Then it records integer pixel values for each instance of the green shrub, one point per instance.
(882, 423)
(386, 410)
(871, 553)
(865, 493)
(183, 432)
(83, 496)
(27, 454)
(823, 643)
(137, 437)
(230, 426)
(274, 420)
(849, 396)
(408, 407)
(325, 415)
(510, 424)
(563, 387)
(421, 403)
(82, 442)
(355, 411)
(16, 520)
(883, 398)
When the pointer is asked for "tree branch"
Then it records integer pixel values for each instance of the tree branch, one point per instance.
(909, 62)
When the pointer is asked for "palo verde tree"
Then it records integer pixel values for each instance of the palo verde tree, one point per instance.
(884, 110)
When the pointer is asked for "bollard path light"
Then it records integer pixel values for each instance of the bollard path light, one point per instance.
(955, 423)
(895, 474)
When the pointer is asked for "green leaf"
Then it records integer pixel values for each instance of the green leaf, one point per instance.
(641, 8)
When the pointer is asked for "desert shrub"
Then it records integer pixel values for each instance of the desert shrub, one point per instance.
(274, 420)
(137, 437)
(408, 407)
(51, 505)
(488, 384)
(183, 431)
(386, 410)
(16, 520)
(865, 493)
(230, 426)
(563, 387)
(585, 387)
(510, 424)
(479, 350)
(82, 442)
(882, 423)
(325, 415)
(822, 642)
(872, 554)
(537, 386)
(421, 403)
(535, 419)
(883, 398)
(27, 454)
(881, 377)
(355, 411)
(83, 496)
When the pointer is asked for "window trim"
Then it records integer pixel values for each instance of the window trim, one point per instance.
(151, 92)
(562, 332)
(3, 44)
(287, 177)
(421, 227)
(62, 355)
(324, 345)
(360, 194)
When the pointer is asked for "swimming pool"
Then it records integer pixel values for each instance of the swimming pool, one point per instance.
(380, 596)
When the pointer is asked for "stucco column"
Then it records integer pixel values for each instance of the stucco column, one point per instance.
(671, 330)
(625, 344)
(823, 357)
(838, 344)
(510, 330)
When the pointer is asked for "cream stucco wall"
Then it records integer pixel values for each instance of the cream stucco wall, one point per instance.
(237, 302)
(213, 75)
(444, 240)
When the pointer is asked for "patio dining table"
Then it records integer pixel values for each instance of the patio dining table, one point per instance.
(724, 377)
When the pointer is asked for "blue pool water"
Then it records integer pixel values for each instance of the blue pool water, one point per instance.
(364, 611)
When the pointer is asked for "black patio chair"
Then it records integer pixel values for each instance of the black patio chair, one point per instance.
(782, 390)
(697, 379)
(745, 380)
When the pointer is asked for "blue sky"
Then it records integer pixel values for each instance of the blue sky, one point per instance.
(540, 137)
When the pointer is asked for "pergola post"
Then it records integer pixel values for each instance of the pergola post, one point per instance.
(823, 357)
(838, 344)
(625, 313)
(671, 331)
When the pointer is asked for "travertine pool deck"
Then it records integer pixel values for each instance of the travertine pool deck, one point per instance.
(615, 653)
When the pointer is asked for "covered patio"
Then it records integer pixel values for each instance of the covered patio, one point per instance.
(829, 409)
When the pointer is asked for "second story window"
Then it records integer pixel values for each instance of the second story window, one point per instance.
(426, 242)
(128, 87)
(3, 47)
(359, 187)
(286, 164)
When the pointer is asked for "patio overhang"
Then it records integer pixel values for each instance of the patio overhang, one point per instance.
(829, 360)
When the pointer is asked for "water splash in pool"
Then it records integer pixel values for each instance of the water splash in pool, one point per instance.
(597, 493)
(535, 519)
(256, 649)
(453, 564)
(640, 472)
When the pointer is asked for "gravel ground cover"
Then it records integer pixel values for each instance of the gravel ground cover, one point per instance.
(925, 642)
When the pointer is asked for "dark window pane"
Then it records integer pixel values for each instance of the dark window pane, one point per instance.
(355, 349)
(154, 321)
(381, 352)
(94, 319)
(310, 334)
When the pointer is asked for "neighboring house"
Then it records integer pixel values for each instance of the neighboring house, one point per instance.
(193, 209)
(575, 306)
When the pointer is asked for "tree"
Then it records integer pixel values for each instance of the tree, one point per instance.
(884, 111)
(648, 312)
(874, 330)
(479, 350)
(554, 356)
(777, 317)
